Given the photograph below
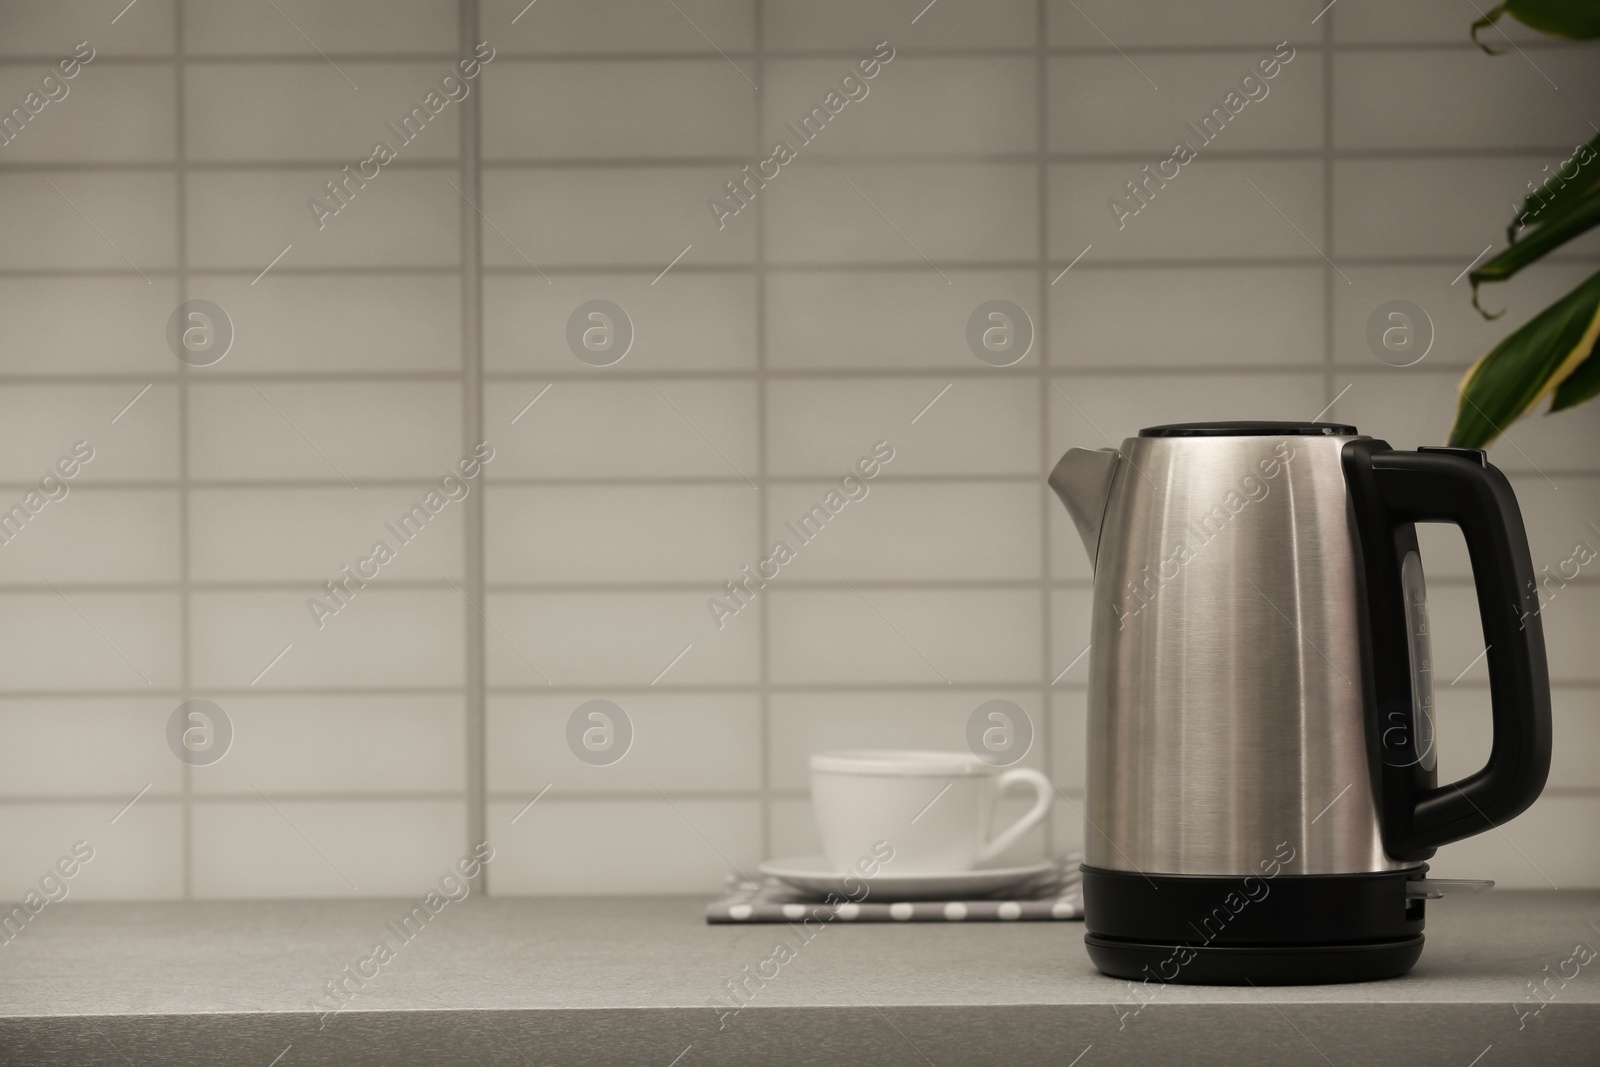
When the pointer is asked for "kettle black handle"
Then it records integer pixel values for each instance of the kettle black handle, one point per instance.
(1460, 487)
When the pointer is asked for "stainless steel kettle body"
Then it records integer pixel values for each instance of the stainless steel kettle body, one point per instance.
(1261, 785)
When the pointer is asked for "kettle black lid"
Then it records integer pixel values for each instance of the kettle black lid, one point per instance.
(1250, 429)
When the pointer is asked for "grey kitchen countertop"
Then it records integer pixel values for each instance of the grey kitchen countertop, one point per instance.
(632, 980)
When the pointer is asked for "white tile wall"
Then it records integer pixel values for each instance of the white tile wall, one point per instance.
(322, 848)
(341, 745)
(982, 426)
(47, 328)
(617, 637)
(1208, 316)
(109, 221)
(985, 531)
(767, 356)
(893, 319)
(70, 746)
(239, 26)
(630, 429)
(793, 25)
(139, 857)
(1425, 21)
(241, 219)
(1370, 221)
(968, 107)
(109, 113)
(1208, 212)
(1430, 99)
(40, 31)
(686, 742)
(925, 636)
(690, 322)
(595, 846)
(900, 213)
(1461, 335)
(384, 639)
(641, 216)
(41, 423)
(659, 108)
(1094, 25)
(594, 534)
(259, 112)
(341, 323)
(1106, 117)
(613, 27)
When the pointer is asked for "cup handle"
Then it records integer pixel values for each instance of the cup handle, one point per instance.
(1042, 787)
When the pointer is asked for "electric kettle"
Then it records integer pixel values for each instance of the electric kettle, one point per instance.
(1262, 785)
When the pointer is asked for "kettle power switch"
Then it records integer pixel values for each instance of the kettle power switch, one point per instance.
(1436, 888)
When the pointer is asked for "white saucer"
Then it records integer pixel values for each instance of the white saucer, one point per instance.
(813, 874)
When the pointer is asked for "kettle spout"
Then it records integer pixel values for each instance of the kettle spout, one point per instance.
(1082, 479)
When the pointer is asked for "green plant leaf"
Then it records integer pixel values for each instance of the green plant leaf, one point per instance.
(1560, 190)
(1488, 20)
(1527, 366)
(1579, 213)
(1582, 384)
(1574, 19)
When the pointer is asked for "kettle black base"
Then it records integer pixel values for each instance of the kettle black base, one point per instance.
(1265, 965)
(1223, 930)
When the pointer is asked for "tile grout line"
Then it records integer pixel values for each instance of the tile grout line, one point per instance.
(1043, 735)
(185, 610)
(1019, 52)
(472, 431)
(278, 164)
(886, 372)
(763, 618)
(1328, 299)
(574, 269)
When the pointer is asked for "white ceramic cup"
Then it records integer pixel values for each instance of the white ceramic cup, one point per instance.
(933, 808)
